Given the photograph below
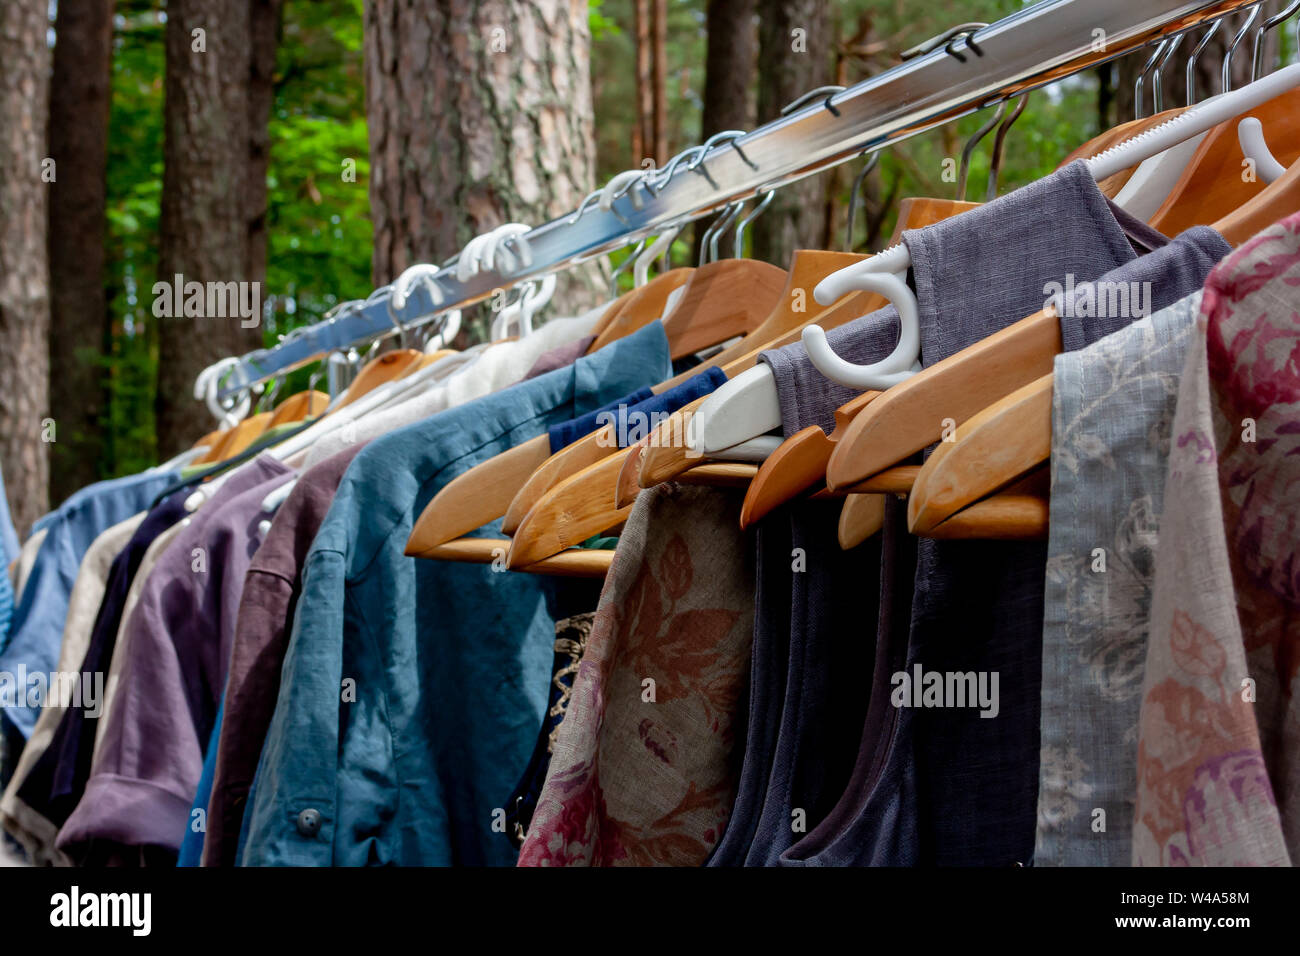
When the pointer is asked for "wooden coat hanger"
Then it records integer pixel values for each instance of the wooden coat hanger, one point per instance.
(381, 369)
(641, 306)
(1012, 437)
(723, 299)
(799, 465)
(296, 408)
(913, 414)
(1212, 187)
(998, 446)
(237, 439)
(512, 486)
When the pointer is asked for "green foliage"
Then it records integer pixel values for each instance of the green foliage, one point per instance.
(318, 223)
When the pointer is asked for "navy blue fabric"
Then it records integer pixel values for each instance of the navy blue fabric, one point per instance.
(632, 416)
(54, 785)
(566, 433)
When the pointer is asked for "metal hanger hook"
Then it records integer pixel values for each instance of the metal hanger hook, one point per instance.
(1196, 54)
(872, 162)
(1236, 42)
(744, 223)
(723, 226)
(1157, 77)
(1142, 77)
(972, 143)
(1261, 35)
(995, 163)
(624, 266)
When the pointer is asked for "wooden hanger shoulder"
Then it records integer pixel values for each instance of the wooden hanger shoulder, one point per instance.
(723, 299)
(567, 461)
(578, 507)
(477, 497)
(1217, 182)
(381, 369)
(998, 446)
(298, 407)
(914, 413)
(642, 307)
(1278, 200)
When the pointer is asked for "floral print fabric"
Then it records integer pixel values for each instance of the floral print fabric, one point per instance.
(1219, 736)
(646, 763)
(1112, 414)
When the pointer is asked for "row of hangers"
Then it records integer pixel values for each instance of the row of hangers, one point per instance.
(1176, 168)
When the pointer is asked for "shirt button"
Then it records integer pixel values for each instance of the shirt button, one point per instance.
(309, 822)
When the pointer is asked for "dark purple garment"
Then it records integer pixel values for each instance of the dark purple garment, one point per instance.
(947, 786)
(143, 781)
(55, 782)
(561, 356)
(265, 618)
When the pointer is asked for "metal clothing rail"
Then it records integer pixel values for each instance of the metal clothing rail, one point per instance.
(1029, 49)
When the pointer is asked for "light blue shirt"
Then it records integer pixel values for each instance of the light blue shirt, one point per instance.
(36, 631)
(413, 690)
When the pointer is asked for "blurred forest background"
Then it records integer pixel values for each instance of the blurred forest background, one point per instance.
(329, 86)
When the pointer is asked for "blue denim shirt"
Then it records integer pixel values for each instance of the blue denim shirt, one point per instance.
(36, 631)
(413, 690)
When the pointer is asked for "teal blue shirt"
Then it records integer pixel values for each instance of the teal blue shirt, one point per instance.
(412, 690)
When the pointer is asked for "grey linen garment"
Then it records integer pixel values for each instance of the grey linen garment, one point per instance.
(1113, 407)
(969, 796)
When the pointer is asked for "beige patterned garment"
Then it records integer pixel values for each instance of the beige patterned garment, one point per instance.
(646, 763)
(1219, 736)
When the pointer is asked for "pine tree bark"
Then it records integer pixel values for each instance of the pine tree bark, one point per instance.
(729, 67)
(204, 223)
(479, 113)
(264, 26)
(728, 74)
(795, 45)
(79, 324)
(24, 263)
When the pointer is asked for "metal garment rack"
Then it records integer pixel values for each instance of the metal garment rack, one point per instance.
(1032, 48)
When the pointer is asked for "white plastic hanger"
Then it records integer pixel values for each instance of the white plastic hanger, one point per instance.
(748, 406)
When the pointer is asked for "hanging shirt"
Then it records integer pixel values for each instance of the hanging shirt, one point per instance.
(144, 778)
(645, 764)
(266, 609)
(1112, 412)
(9, 547)
(22, 568)
(31, 829)
(1218, 769)
(37, 628)
(499, 366)
(52, 787)
(412, 689)
(948, 786)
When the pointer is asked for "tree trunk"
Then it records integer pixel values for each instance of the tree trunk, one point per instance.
(79, 101)
(795, 45)
(729, 67)
(204, 221)
(479, 113)
(728, 70)
(659, 77)
(24, 264)
(264, 24)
